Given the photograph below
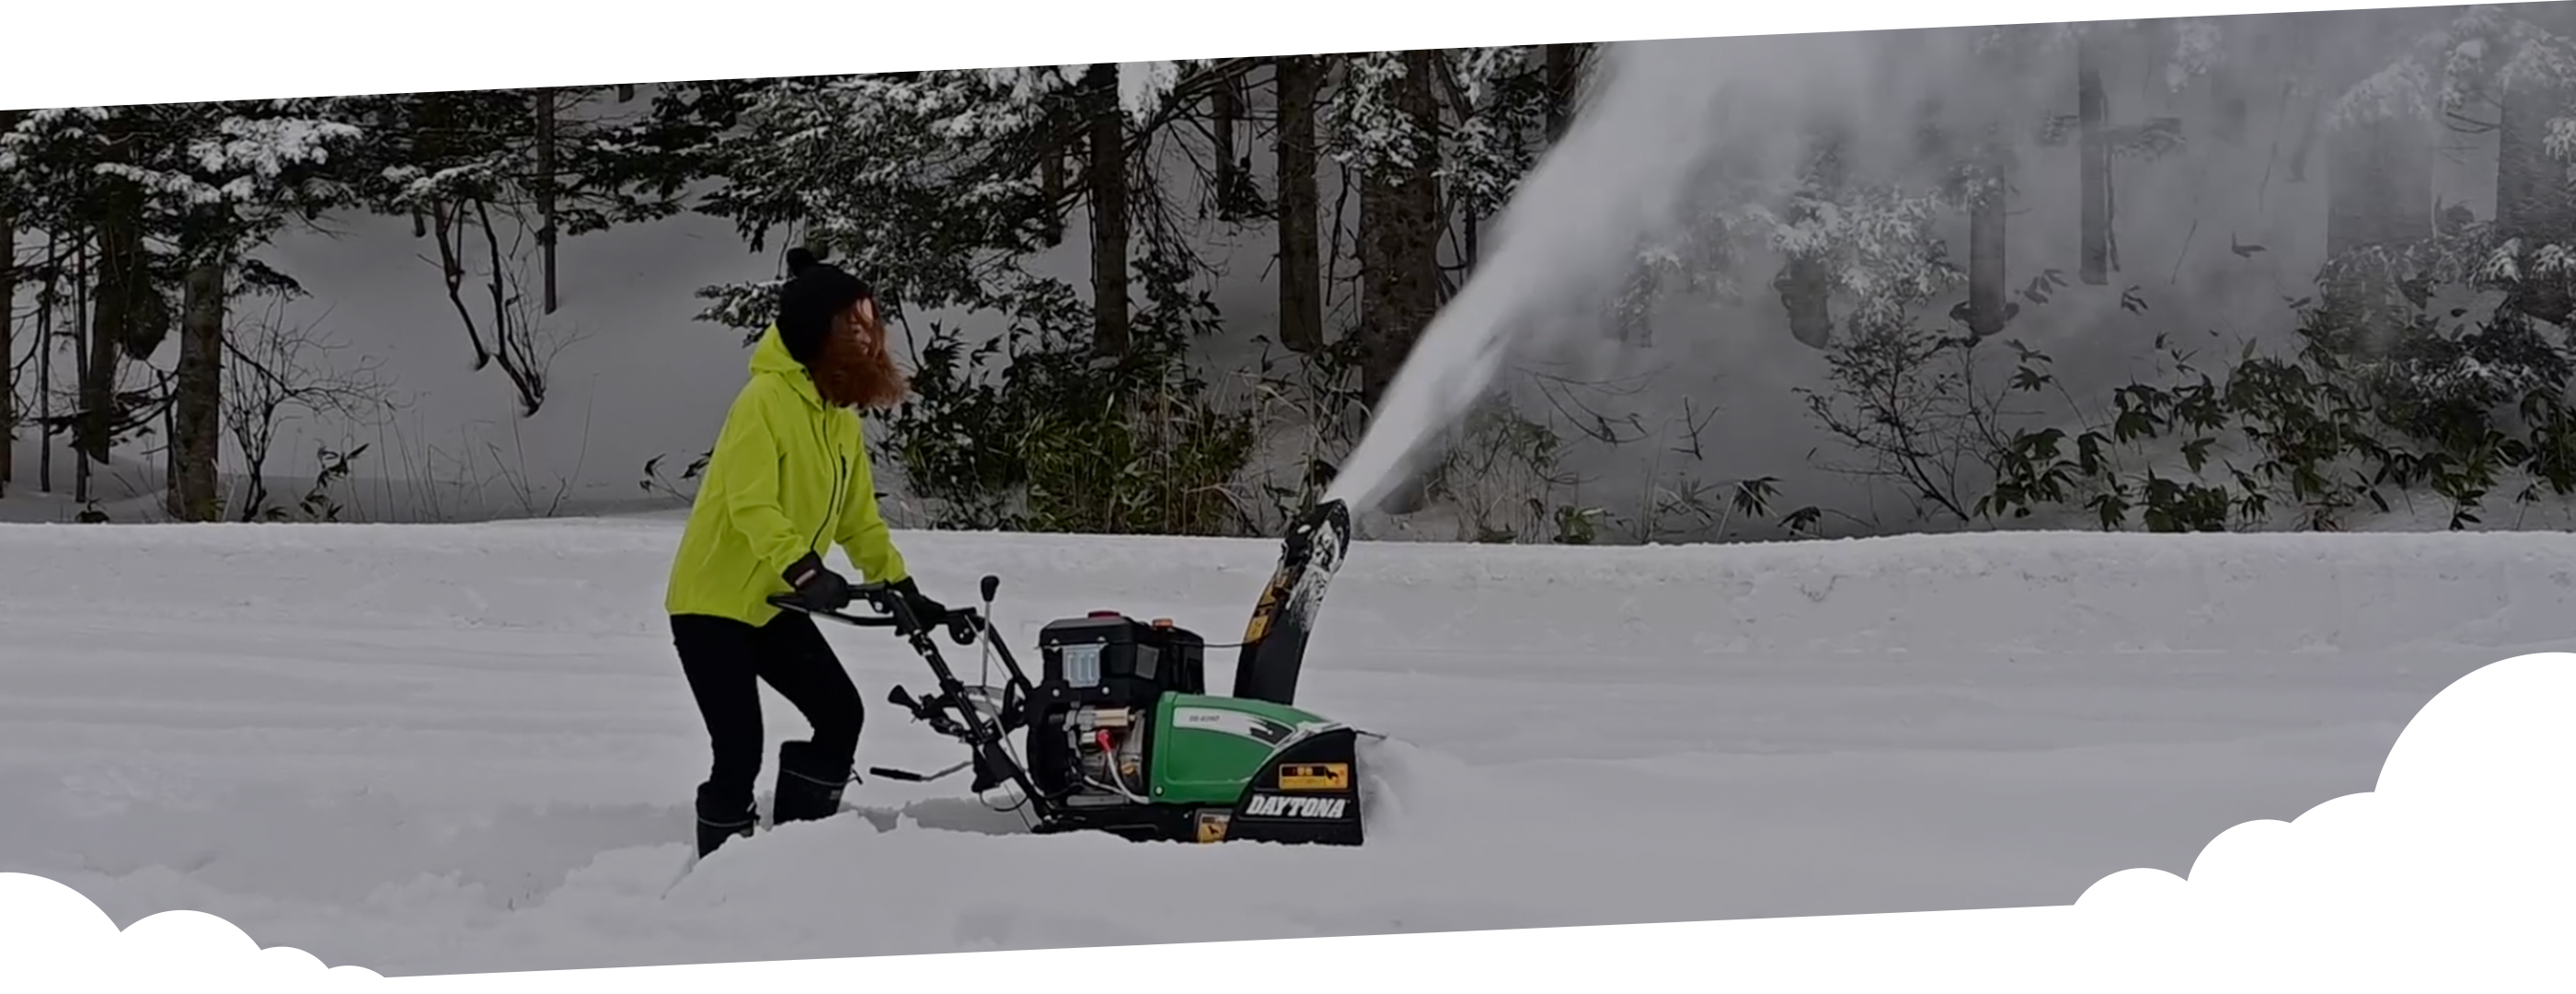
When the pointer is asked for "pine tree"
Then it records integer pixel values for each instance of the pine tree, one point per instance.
(1298, 81)
(8, 320)
(171, 196)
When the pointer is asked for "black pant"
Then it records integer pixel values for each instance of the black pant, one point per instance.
(726, 660)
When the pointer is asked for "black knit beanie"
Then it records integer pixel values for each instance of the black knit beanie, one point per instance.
(815, 291)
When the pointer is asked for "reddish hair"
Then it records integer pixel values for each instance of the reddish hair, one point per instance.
(856, 369)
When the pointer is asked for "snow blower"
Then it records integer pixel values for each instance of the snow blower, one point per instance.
(1120, 732)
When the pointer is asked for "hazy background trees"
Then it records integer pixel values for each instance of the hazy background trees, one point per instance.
(2282, 271)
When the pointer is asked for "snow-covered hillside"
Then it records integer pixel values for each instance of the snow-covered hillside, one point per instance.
(435, 749)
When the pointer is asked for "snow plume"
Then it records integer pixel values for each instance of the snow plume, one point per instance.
(1143, 85)
(1632, 164)
(1724, 140)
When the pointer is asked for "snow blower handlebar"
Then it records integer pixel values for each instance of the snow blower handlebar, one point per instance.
(952, 710)
(893, 611)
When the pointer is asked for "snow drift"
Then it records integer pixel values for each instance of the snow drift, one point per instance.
(432, 749)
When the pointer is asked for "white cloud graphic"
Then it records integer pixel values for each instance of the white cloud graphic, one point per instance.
(59, 940)
(2454, 874)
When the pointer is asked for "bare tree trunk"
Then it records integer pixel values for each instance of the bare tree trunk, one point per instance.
(514, 342)
(546, 192)
(1986, 274)
(1301, 290)
(170, 444)
(46, 301)
(1051, 177)
(8, 341)
(2378, 194)
(1805, 286)
(431, 55)
(1561, 64)
(1988, 277)
(2092, 114)
(1108, 180)
(196, 436)
(107, 326)
(1226, 107)
(82, 315)
(1399, 243)
(1400, 278)
(194, 418)
(8, 325)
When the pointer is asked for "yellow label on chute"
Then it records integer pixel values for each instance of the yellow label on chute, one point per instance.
(1315, 776)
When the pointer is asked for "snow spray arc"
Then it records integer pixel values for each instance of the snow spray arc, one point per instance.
(1685, 94)
(1592, 196)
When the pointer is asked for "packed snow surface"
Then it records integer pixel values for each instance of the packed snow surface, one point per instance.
(435, 749)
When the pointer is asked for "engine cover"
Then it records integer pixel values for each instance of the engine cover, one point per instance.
(1111, 659)
(1100, 681)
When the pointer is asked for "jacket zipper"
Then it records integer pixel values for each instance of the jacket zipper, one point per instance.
(840, 480)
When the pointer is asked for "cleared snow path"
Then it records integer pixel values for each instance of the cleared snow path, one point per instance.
(462, 756)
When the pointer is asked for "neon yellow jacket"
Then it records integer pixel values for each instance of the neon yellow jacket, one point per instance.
(789, 475)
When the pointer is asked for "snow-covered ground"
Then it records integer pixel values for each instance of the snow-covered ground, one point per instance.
(431, 749)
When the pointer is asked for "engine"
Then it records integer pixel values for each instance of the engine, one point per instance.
(1094, 704)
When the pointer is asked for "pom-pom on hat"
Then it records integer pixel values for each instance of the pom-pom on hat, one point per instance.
(815, 291)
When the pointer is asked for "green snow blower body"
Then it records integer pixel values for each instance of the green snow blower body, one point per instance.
(1118, 732)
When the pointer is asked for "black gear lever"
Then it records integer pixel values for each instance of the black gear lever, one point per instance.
(964, 625)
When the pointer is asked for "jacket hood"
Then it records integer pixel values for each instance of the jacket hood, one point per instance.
(771, 357)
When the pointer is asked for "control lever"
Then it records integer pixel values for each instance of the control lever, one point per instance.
(908, 776)
(928, 711)
(964, 626)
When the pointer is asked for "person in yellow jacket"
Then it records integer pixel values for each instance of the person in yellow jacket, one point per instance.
(788, 479)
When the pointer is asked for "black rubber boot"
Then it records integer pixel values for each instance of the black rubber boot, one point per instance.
(719, 823)
(809, 785)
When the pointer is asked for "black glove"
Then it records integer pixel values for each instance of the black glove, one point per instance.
(817, 586)
(924, 610)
